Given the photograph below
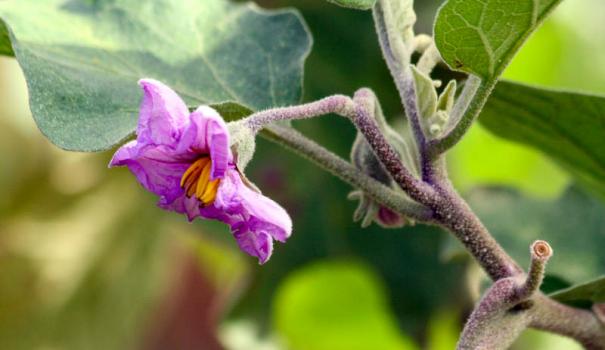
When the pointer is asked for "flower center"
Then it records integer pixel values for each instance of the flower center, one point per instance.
(196, 181)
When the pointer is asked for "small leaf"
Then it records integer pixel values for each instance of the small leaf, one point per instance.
(446, 99)
(5, 45)
(482, 36)
(82, 77)
(566, 126)
(355, 4)
(593, 291)
(426, 94)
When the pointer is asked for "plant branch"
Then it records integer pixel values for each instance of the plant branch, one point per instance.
(382, 194)
(338, 104)
(365, 122)
(581, 325)
(398, 60)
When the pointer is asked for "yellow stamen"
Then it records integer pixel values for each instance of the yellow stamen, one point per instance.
(196, 181)
(197, 165)
(210, 193)
(203, 181)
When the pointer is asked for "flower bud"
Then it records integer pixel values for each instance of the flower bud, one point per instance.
(368, 210)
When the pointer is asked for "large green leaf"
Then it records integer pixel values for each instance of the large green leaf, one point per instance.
(574, 225)
(82, 59)
(568, 127)
(342, 304)
(482, 36)
(355, 4)
(593, 291)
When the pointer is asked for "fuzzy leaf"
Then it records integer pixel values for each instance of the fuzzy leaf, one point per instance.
(446, 99)
(426, 94)
(566, 126)
(355, 4)
(405, 17)
(82, 60)
(593, 291)
(482, 36)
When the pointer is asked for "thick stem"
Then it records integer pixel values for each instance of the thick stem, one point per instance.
(347, 172)
(366, 124)
(397, 59)
(581, 325)
(453, 213)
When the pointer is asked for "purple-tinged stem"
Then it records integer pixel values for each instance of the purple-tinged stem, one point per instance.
(382, 194)
(366, 124)
(404, 81)
(581, 325)
(338, 104)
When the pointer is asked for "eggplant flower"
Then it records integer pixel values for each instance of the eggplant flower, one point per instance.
(186, 159)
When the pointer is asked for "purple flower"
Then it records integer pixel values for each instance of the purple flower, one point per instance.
(185, 158)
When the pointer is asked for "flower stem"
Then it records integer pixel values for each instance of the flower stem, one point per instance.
(297, 142)
(338, 104)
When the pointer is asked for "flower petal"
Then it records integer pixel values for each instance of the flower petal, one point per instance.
(260, 212)
(207, 133)
(163, 114)
(155, 167)
(255, 243)
(182, 204)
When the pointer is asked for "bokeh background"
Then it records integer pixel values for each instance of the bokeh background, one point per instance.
(87, 261)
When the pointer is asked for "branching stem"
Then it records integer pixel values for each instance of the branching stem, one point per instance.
(297, 142)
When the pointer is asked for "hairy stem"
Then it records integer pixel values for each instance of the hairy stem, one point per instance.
(338, 104)
(366, 124)
(452, 212)
(397, 59)
(297, 142)
(581, 325)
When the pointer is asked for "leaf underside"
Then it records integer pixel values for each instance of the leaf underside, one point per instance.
(82, 60)
(568, 127)
(573, 225)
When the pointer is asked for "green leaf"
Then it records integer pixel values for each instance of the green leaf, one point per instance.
(426, 94)
(593, 291)
(482, 36)
(342, 304)
(355, 4)
(5, 46)
(568, 127)
(82, 60)
(573, 226)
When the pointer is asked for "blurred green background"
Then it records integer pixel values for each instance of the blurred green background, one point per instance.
(87, 261)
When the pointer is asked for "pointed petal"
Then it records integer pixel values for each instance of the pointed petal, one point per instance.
(163, 114)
